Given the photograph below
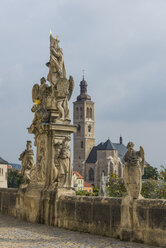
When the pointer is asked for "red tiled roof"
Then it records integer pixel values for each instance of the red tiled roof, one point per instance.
(78, 175)
(87, 185)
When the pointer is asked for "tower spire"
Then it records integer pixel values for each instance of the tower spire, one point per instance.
(83, 90)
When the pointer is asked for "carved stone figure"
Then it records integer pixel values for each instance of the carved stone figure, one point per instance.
(51, 125)
(56, 63)
(27, 160)
(133, 170)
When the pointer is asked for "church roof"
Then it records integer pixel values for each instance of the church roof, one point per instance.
(108, 145)
(2, 161)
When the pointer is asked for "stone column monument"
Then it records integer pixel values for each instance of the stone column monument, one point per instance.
(51, 127)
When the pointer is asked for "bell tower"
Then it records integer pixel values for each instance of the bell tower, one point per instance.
(84, 138)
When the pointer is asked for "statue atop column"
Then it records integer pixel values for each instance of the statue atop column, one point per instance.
(133, 170)
(51, 126)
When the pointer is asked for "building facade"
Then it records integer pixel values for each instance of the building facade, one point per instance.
(3, 173)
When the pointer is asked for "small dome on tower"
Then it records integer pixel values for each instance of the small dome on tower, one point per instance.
(83, 91)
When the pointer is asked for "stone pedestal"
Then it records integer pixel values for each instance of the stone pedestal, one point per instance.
(126, 232)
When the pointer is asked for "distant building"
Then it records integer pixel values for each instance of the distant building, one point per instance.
(90, 160)
(88, 187)
(78, 181)
(3, 173)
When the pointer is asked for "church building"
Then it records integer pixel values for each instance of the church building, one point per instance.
(90, 160)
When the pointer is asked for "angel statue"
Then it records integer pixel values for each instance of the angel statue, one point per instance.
(133, 170)
(56, 63)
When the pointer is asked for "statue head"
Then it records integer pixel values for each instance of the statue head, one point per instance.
(130, 145)
(29, 145)
(42, 80)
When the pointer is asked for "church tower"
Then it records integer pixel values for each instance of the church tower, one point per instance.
(84, 139)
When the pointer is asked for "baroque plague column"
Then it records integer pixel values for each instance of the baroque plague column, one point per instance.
(51, 127)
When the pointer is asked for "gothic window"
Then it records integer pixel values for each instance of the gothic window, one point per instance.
(82, 144)
(89, 128)
(90, 113)
(91, 175)
(81, 113)
(87, 112)
(78, 128)
(77, 113)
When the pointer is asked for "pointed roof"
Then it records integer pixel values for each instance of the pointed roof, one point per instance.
(2, 161)
(107, 146)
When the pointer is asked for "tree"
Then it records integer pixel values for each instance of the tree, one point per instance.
(163, 173)
(14, 179)
(150, 172)
(115, 186)
(153, 189)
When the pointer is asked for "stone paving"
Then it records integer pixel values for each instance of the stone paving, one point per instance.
(15, 234)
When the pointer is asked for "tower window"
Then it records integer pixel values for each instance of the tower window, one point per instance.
(87, 112)
(78, 128)
(81, 113)
(82, 144)
(90, 114)
(77, 113)
(89, 128)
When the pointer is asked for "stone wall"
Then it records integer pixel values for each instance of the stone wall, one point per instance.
(97, 215)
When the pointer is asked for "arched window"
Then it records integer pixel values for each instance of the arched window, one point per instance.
(87, 112)
(78, 128)
(77, 113)
(90, 114)
(81, 113)
(91, 175)
(89, 128)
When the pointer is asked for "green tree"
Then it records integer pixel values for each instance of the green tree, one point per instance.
(14, 179)
(150, 172)
(163, 173)
(115, 186)
(154, 189)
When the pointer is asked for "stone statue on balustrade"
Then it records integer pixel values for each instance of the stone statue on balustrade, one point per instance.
(27, 161)
(133, 171)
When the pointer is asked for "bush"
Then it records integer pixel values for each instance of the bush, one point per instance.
(14, 179)
(153, 189)
(115, 186)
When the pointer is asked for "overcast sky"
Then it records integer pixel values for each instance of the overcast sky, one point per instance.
(121, 44)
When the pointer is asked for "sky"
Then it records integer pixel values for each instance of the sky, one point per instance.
(121, 45)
